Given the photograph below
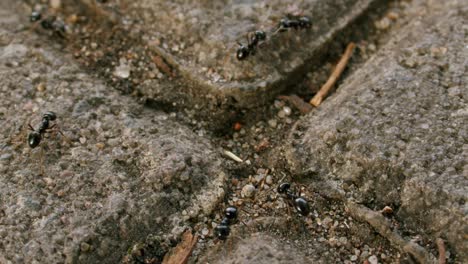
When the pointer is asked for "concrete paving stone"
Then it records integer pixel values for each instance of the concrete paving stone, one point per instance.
(258, 248)
(128, 171)
(199, 40)
(395, 135)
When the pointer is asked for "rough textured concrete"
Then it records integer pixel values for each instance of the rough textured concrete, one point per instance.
(395, 133)
(258, 248)
(143, 167)
(127, 170)
(198, 41)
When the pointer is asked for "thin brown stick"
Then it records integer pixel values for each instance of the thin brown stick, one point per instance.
(383, 226)
(441, 248)
(322, 93)
(297, 102)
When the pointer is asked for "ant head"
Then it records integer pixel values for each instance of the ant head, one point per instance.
(283, 187)
(34, 138)
(260, 35)
(35, 16)
(284, 22)
(50, 115)
(305, 22)
(302, 206)
(242, 52)
(231, 213)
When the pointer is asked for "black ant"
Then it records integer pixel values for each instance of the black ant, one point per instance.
(296, 23)
(52, 23)
(35, 137)
(301, 204)
(252, 42)
(223, 230)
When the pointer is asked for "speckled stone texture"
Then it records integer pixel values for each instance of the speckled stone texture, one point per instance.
(258, 248)
(395, 133)
(199, 39)
(128, 172)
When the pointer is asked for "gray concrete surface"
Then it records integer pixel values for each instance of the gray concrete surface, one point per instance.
(143, 91)
(128, 172)
(395, 133)
(198, 40)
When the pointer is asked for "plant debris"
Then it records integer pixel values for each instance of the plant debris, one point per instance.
(323, 92)
(181, 253)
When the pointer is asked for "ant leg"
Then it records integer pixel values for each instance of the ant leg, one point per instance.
(246, 211)
(41, 161)
(30, 127)
(58, 130)
(229, 54)
(34, 26)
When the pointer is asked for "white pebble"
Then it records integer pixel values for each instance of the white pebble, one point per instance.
(287, 110)
(248, 191)
(373, 259)
(122, 71)
(272, 123)
(55, 4)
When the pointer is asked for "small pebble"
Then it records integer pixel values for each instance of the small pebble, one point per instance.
(259, 177)
(281, 114)
(373, 259)
(122, 71)
(272, 123)
(364, 254)
(100, 145)
(41, 87)
(354, 258)
(383, 24)
(6, 156)
(85, 247)
(269, 180)
(278, 104)
(55, 4)
(287, 110)
(248, 191)
(48, 181)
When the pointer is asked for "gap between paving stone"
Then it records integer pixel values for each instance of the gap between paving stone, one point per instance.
(160, 26)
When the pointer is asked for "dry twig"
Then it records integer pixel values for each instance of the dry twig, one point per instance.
(322, 93)
(181, 253)
(441, 248)
(297, 102)
(380, 223)
(232, 156)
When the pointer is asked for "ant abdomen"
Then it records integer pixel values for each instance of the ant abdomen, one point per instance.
(223, 230)
(300, 204)
(35, 137)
